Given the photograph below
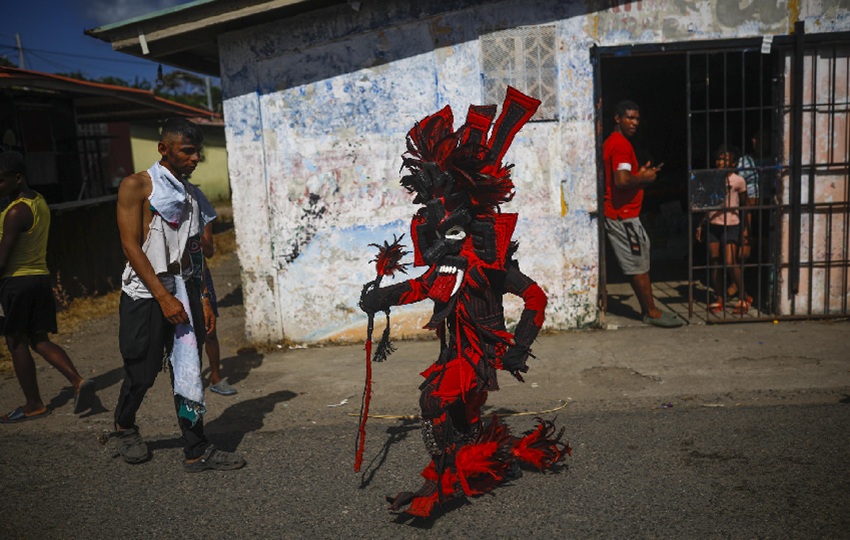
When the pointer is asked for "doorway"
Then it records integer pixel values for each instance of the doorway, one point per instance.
(692, 101)
(657, 83)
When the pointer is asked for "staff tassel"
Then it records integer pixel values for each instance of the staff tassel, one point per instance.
(387, 263)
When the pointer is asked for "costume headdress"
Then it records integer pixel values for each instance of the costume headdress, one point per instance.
(460, 178)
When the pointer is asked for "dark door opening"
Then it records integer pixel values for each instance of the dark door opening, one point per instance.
(657, 83)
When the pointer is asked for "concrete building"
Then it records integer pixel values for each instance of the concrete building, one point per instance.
(318, 97)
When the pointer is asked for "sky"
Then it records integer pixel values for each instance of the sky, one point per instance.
(53, 41)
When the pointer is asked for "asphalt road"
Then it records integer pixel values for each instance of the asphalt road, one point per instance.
(726, 431)
(680, 472)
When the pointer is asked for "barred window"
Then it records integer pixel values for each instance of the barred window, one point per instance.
(522, 57)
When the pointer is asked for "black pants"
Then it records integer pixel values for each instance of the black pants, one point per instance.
(145, 338)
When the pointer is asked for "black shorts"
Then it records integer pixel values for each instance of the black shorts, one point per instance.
(27, 305)
(724, 234)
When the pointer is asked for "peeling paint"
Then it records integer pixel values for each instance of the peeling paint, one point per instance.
(317, 109)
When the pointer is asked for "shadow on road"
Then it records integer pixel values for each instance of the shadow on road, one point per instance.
(244, 417)
(396, 434)
(102, 382)
(439, 511)
(237, 368)
(233, 298)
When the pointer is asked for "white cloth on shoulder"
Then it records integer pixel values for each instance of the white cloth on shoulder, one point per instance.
(168, 197)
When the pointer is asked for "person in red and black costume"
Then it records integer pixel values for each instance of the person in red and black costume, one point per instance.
(465, 241)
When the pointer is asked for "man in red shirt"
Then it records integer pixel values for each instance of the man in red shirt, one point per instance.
(624, 184)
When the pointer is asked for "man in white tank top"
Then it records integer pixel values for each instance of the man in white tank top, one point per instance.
(160, 219)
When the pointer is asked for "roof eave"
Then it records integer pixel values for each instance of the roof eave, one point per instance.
(186, 36)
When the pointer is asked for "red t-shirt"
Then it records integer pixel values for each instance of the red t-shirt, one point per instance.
(622, 203)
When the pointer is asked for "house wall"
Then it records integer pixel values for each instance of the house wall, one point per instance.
(212, 173)
(315, 134)
(823, 288)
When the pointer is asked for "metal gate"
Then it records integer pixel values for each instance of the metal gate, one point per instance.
(783, 109)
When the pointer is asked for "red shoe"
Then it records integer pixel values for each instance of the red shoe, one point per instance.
(743, 306)
(716, 306)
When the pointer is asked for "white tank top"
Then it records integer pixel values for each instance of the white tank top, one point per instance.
(164, 248)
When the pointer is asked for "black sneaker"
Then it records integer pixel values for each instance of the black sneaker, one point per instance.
(131, 447)
(215, 460)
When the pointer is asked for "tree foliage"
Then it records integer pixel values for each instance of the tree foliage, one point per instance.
(180, 86)
(189, 89)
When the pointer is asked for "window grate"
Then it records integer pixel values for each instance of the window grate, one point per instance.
(524, 58)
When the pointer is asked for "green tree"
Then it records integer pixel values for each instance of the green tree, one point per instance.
(115, 81)
(189, 89)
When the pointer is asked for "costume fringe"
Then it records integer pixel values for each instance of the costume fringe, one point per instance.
(479, 467)
(541, 447)
(385, 347)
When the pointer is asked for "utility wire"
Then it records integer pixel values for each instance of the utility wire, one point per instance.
(29, 52)
(99, 58)
(49, 62)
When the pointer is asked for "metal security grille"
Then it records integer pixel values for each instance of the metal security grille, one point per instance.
(796, 103)
(731, 113)
(815, 261)
(524, 58)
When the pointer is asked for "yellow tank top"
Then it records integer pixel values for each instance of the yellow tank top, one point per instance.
(29, 255)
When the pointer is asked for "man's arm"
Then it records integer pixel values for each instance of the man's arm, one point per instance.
(208, 249)
(646, 175)
(207, 244)
(132, 195)
(19, 219)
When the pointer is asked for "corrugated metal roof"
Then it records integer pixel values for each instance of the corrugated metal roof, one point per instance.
(99, 102)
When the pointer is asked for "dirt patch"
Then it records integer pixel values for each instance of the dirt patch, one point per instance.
(617, 378)
(224, 243)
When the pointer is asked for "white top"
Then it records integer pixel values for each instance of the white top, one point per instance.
(165, 245)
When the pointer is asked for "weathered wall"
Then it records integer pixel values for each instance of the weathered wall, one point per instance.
(317, 109)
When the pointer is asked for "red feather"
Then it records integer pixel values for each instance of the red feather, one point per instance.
(388, 260)
(542, 447)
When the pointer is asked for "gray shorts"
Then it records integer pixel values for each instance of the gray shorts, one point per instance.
(630, 243)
